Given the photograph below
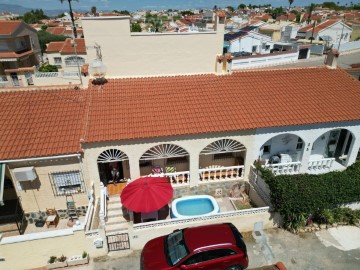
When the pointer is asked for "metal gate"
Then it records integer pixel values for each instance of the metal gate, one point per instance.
(118, 241)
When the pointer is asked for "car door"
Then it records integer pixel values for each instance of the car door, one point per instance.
(216, 259)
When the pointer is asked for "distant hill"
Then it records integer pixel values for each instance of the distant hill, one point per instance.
(17, 9)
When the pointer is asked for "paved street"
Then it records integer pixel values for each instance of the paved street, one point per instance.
(345, 60)
(304, 252)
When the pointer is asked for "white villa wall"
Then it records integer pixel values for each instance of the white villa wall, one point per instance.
(309, 134)
(317, 151)
(148, 54)
(243, 223)
(136, 148)
(36, 252)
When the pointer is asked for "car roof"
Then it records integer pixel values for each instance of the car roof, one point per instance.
(209, 235)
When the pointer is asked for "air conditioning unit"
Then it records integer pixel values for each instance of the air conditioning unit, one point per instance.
(25, 174)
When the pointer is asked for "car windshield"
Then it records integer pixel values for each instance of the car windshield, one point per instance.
(176, 248)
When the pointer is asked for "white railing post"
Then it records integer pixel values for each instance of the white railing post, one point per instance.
(103, 204)
(231, 173)
(321, 165)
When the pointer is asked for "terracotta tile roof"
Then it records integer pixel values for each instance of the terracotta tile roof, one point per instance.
(66, 47)
(14, 54)
(54, 46)
(180, 105)
(319, 27)
(8, 27)
(56, 30)
(41, 123)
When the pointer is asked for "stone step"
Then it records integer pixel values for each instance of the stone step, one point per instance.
(114, 222)
(116, 227)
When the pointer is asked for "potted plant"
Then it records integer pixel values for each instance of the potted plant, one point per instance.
(55, 262)
(78, 259)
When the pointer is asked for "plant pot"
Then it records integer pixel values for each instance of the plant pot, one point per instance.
(56, 265)
(77, 260)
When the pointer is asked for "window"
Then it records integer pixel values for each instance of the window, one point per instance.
(254, 49)
(67, 183)
(145, 163)
(299, 144)
(74, 61)
(175, 248)
(267, 47)
(267, 149)
(57, 60)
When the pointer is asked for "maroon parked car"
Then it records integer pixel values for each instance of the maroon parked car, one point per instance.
(216, 247)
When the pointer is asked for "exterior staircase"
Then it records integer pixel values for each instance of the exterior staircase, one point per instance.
(115, 223)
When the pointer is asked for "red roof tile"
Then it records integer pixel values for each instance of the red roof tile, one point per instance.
(54, 46)
(210, 103)
(45, 123)
(66, 47)
(8, 27)
(51, 122)
(56, 30)
(318, 27)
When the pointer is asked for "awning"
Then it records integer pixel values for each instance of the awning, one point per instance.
(2, 179)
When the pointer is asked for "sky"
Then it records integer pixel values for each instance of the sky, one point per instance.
(132, 5)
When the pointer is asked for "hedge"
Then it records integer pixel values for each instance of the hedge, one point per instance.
(300, 197)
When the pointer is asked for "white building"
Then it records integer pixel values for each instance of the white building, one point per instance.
(331, 30)
(244, 41)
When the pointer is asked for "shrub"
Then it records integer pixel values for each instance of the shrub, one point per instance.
(48, 68)
(62, 258)
(84, 254)
(52, 259)
(300, 197)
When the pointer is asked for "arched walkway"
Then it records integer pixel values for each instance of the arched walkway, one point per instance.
(222, 160)
(331, 150)
(282, 153)
(113, 166)
(167, 159)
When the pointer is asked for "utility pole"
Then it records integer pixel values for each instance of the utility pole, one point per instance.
(342, 31)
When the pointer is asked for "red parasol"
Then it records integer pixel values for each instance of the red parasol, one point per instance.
(147, 194)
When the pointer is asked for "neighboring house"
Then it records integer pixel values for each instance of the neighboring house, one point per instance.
(19, 53)
(73, 138)
(247, 41)
(65, 31)
(331, 30)
(138, 54)
(65, 55)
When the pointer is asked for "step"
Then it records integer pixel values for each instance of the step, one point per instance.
(116, 227)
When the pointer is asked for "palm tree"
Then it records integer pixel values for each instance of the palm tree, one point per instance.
(71, 16)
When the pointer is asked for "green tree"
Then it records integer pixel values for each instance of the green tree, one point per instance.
(34, 16)
(177, 17)
(186, 12)
(290, 3)
(93, 10)
(230, 8)
(135, 27)
(215, 7)
(241, 6)
(45, 38)
(48, 68)
(277, 12)
(44, 27)
(125, 12)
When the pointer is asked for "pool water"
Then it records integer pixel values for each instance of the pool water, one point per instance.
(195, 207)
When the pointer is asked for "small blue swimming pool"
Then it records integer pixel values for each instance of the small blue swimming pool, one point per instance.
(197, 205)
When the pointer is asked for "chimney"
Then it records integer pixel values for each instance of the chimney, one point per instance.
(332, 58)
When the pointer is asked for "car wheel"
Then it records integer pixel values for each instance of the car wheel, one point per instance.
(235, 267)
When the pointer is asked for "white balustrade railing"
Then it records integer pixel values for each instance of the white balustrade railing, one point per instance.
(90, 209)
(46, 74)
(284, 168)
(103, 204)
(71, 74)
(320, 165)
(221, 173)
(179, 178)
(220, 216)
